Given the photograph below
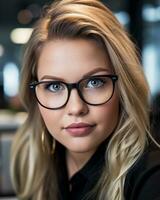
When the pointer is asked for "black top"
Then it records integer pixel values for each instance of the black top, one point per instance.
(142, 181)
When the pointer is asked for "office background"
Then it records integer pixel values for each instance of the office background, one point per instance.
(142, 20)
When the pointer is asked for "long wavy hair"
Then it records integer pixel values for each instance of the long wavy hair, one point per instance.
(34, 171)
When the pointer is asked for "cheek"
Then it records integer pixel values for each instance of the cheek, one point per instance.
(50, 118)
(108, 115)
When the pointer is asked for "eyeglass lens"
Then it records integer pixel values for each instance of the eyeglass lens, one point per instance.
(93, 90)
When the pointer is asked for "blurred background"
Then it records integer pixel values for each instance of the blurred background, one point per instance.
(142, 20)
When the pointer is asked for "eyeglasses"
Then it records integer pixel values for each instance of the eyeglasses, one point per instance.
(94, 90)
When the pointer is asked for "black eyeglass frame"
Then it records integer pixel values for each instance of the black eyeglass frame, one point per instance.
(76, 86)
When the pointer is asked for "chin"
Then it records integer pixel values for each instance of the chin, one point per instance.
(81, 147)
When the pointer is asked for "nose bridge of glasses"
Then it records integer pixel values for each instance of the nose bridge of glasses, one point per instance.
(75, 86)
(72, 86)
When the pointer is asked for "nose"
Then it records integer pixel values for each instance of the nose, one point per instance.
(76, 106)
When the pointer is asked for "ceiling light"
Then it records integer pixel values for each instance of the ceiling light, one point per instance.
(20, 35)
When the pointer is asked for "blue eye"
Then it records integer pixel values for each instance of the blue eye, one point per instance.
(55, 87)
(95, 83)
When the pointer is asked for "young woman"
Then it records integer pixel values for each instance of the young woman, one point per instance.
(86, 135)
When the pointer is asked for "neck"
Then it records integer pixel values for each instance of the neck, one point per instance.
(75, 161)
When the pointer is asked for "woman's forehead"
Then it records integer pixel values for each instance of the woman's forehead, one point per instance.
(72, 57)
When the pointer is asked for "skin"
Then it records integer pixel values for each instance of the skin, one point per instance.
(69, 60)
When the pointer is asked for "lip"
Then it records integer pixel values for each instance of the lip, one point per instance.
(79, 129)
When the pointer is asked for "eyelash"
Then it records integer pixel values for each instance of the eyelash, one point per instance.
(97, 80)
(47, 86)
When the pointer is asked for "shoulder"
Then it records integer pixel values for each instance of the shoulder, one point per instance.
(143, 179)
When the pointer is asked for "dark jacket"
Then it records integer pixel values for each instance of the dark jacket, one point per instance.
(142, 180)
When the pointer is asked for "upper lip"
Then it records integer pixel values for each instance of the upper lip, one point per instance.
(79, 125)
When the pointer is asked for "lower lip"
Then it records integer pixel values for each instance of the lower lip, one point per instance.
(81, 131)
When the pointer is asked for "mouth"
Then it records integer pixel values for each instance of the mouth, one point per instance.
(80, 129)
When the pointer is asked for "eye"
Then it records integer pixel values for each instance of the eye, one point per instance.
(54, 86)
(95, 83)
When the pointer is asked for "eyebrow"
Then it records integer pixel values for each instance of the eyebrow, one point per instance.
(92, 72)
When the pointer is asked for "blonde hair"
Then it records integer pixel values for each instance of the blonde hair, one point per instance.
(88, 19)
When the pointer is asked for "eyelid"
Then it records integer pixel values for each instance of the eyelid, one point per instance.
(96, 76)
(51, 83)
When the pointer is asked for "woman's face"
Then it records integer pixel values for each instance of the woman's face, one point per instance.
(77, 126)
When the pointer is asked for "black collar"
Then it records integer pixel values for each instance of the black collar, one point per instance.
(93, 167)
(85, 179)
